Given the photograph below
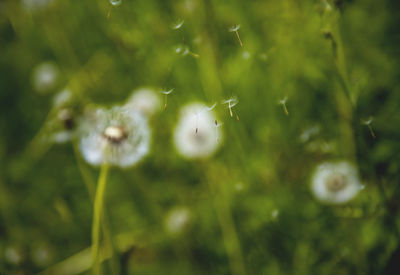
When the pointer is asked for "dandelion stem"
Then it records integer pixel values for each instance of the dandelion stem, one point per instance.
(98, 212)
(343, 96)
(238, 37)
(90, 186)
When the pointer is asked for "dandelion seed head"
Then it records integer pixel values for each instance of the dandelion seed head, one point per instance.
(145, 100)
(195, 135)
(119, 136)
(13, 255)
(335, 182)
(178, 220)
(44, 77)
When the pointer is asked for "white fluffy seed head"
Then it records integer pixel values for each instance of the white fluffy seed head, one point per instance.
(44, 77)
(177, 220)
(145, 100)
(119, 136)
(335, 182)
(196, 134)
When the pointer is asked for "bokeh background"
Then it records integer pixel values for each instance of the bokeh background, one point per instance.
(335, 62)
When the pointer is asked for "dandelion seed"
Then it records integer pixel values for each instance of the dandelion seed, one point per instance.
(195, 134)
(115, 3)
(145, 100)
(335, 182)
(184, 51)
(45, 76)
(231, 102)
(166, 93)
(178, 25)
(235, 29)
(368, 123)
(283, 103)
(119, 136)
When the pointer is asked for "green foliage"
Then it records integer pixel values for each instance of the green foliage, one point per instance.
(335, 62)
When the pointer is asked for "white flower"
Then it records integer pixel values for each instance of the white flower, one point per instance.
(145, 100)
(119, 136)
(336, 182)
(44, 77)
(196, 132)
(177, 220)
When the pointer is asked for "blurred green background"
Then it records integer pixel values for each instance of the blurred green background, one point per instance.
(336, 62)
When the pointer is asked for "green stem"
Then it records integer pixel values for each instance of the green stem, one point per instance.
(98, 212)
(343, 96)
(90, 186)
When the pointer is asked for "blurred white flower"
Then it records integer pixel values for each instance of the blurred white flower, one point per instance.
(14, 255)
(44, 77)
(145, 100)
(195, 133)
(119, 136)
(177, 221)
(335, 182)
(41, 255)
